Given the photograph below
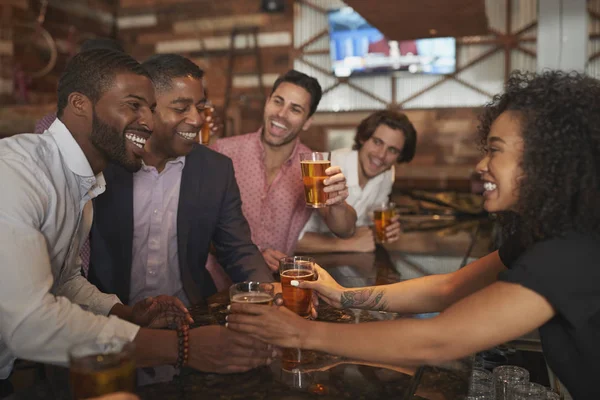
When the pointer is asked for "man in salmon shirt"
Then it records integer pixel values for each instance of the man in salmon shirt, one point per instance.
(267, 169)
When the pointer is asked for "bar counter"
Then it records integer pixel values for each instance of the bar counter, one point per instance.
(443, 245)
(429, 245)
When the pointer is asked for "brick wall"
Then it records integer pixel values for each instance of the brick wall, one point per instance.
(23, 51)
(200, 30)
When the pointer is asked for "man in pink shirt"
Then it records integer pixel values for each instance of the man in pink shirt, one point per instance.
(267, 169)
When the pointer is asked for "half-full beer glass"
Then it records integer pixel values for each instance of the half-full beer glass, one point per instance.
(313, 174)
(382, 218)
(300, 269)
(252, 293)
(205, 131)
(102, 367)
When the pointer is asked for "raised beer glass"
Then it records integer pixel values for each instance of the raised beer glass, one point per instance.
(205, 131)
(252, 293)
(313, 174)
(382, 218)
(300, 269)
(102, 367)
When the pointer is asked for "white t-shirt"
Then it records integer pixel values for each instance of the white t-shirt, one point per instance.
(376, 190)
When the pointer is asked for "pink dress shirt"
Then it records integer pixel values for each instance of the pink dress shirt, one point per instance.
(276, 212)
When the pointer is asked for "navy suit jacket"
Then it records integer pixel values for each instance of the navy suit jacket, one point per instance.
(209, 209)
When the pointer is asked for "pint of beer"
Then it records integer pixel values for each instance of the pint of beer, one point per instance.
(102, 367)
(313, 174)
(205, 131)
(382, 218)
(252, 292)
(300, 269)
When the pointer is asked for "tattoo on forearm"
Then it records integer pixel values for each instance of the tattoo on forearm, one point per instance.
(369, 299)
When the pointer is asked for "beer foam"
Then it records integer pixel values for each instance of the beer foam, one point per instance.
(251, 297)
(315, 162)
(292, 273)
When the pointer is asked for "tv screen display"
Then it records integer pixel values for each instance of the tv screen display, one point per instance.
(358, 48)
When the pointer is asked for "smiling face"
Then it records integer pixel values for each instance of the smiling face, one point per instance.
(286, 114)
(178, 117)
(122, 120)
(500, 169)
(380, 152)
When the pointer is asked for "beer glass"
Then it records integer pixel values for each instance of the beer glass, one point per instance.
(252, 293)
(205, 131)
(102, 367)
(300, 269)
(382, 218)
(313, 174)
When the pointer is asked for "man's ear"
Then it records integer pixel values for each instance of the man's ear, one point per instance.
(79, 104)
(307, 124)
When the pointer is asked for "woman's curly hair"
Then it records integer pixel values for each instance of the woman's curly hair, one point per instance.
(560, 122)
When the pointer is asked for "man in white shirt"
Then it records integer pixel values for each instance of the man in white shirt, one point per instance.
(382, 140)
(104, 110)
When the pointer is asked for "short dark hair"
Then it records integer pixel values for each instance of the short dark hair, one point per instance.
(308, 83)
(395, 120)
(559, 114)
(100, 43)
(163, 68)
(92, 73)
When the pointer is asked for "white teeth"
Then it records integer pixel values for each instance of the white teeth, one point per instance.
(277, 124)
(137, 140)
(489, 186)
(377, 163)
(187, 135)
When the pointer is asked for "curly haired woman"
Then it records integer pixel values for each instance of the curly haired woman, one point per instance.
(541, 170)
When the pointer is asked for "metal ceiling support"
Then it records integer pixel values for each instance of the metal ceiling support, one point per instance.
(502, 41)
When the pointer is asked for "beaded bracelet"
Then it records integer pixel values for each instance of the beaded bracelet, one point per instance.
(183, 345)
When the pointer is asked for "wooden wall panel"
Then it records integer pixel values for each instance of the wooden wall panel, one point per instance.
(69, 22)
(200, 30)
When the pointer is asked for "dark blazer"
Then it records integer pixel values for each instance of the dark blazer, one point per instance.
(210, 209)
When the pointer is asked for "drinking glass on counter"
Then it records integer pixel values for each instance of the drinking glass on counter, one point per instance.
(300, 269)
(528, 391)
(506, 377)
(205, 131)
(480, 391)
(382, 215)
(313, 174)
(102, 367)
(252, 293)
(481, 375)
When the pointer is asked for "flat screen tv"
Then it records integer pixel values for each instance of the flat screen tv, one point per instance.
(357, 48)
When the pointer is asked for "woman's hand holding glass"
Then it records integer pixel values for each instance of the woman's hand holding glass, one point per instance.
(325, 287)
(272, 324)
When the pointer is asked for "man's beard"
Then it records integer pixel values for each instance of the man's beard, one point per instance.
(112, 144)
